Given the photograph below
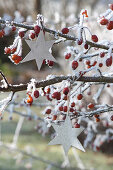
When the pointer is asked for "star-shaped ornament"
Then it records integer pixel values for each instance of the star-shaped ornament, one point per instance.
(39, 50)
(67, 136)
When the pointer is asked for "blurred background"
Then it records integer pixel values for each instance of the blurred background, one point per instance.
(58, 14)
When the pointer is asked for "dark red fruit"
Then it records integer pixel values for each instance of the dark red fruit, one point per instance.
(13, 28)
(111, 6)
(94, 38)
(100, 65)
(65, 30)
(111, 118)
(61, 108)
(21, 34)
(32, 35)
(79, 42)
(110, 25)
(54, 117)
(73, 104)
(104, 21)
(67, 56)
(79, 96)
(91, 106)
(77, 125)
(66, 90)
(56, 95)
(86, 46)
(88, 62)
(36, 29)
(65, 109)
(50, 63)
(109, 62)
(48, 111)
(74, 65)
(102, 54)
(36, 93)
(7, 50)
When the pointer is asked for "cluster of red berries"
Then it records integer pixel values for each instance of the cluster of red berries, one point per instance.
(2, 33)
(105, 21)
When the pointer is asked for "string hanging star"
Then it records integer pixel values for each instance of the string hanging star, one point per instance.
(67, 136)
(39, 50)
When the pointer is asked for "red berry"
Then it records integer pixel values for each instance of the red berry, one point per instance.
(65, 31)
(44, 61)
(100, 64)
(48, 98)
(36, 93)
(7, 50)
(111, 118)
(73, 104)
(30, 100)
(79, 42)
(104, 21)
(95, 62)
(61, 108)
(109, 62)
(36, 29)
(102, 54)
(50, 63)
(48, 111)
(48, 90)
(13, 28)
(86, 46)
(108, 85)
(79, 96)
(65, 97)
(13, 50)
(71, 109)
(56, 95)
(65, 109)
(66, 90)
(32, 35)
(88, 62)
(54, 117)
(67, 56)
(2, 33)
(74, 65)
(110, 25)
(94, 38)
(111, 6)
(77, 125)
(21, 34)
(91, 106)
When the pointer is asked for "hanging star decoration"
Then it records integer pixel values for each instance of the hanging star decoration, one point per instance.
(67, 136)
(39, 50)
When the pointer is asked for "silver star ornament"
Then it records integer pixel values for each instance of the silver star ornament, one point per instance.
(67, 136)
(39, 50)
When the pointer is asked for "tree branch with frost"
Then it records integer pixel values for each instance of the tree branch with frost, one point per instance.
(55, 33)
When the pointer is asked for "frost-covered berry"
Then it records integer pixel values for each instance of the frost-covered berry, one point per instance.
(111, 6)
(86, 46)
(54, 117)
(48, 111)
(111, 118)
(13, 28)
(79, 42)
(50, 63)
(109, 62)
(32, 35)
(110, 25)
(7, 50)
(102, 54)
(36, 29)
(100, 65)
(91, 106)
(87, 62)
(36, 93)
(2, 33)
(74, 64)
(73, 104)
(21, 34)
(61, 108)
(30, 100)
(67, 56)
(66, 90)
(56, 95)
(65, 108)
(104, 21)
(77, 125)
(65, 31)
(79, 96)
(94, 38)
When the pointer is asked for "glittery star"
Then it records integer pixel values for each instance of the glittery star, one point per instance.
(39, 50)
(67, 136)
